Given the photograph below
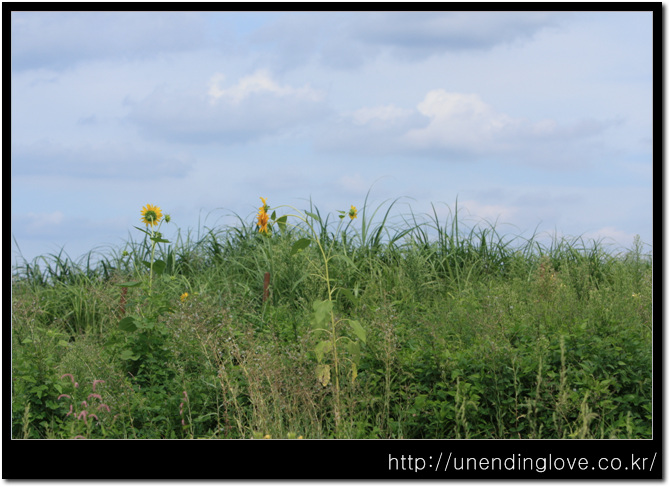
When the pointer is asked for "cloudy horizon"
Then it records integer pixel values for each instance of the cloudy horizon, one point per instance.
(539, 121)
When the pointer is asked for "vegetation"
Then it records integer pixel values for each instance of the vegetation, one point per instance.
(370, 329)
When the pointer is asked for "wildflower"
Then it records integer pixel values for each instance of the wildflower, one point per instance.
(68, 375)
(263, 217)
(104, 406)
(63, 395)
(267, 437)
(83, 413)
(95, 395)
(69, 412)
(94, 416)
(151, 215)
(167, 218)
(353, 213)
(96, 382)
(79, 437)
(265, 206)
(183, 297)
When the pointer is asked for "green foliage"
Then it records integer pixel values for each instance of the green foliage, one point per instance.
(421, 329)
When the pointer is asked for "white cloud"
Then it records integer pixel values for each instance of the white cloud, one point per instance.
(255, 84)
(460, 121)
(461, 127)
(255, 107)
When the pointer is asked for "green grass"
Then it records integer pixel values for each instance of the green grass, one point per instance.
(470, 334)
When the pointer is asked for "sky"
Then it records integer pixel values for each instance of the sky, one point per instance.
(539, 123)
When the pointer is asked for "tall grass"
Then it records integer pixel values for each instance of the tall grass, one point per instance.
(471, 334)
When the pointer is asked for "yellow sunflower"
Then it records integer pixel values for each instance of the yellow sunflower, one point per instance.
(151, 215)
(353, 213)
(263, 219)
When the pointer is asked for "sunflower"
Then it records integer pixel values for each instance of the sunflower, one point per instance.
(265, 206)
(151, 215)
(353, 213)
(263, 219)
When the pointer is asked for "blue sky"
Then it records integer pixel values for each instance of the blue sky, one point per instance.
(541, 121)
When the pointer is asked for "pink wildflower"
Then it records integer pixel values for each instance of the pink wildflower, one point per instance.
(96, 382)
(94, 416)
(63, 395)
(68, 375)
(185, 396)
(83, 403)
(70, 412)
(79, 437)
(104, 406)
(95, 395)
(76, 384)
(83, 413)
(183, 423)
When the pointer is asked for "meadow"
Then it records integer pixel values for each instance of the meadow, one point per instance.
(295, 324)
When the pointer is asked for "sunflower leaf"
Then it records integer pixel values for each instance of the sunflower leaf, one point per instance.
(128, 324)
(159, 267)
(301, 244)
(159, 240)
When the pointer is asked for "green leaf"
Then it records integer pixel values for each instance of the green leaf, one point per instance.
(128, 355)
(322, 348)
(129, 284)
(128, 324)
(159, 240)
(300, 245)
(322, 311)
(281, 222)
(355, 351)
(313, 216)
(358, 330)
(159, 267)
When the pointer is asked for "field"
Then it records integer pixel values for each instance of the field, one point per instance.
(345, 326)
